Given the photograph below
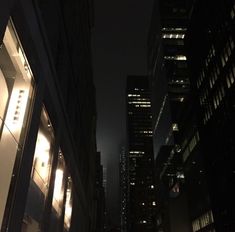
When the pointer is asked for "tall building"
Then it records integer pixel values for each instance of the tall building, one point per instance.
(168, 72)
(140, 155)
(210, 42)
(172, 100)
(123, 169)
(47, 132)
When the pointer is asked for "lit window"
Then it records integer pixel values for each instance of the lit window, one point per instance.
(154, 203)
(172, 36)
(176, 57)
(231, 77)
(68, 205)
(232, 14)
(174, 29)
(228, 82)
(222, 60)
(175, 127)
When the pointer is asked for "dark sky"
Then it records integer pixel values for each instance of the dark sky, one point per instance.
(119, 49)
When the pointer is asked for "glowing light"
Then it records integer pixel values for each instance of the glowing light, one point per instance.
(58, 194)
(68, 209)
(16, 109)
(41, 165)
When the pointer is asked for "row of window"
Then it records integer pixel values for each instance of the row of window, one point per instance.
(173, 36)
(139, 102)
(191, 145)
(230, 77)
(214, 76)
(176, 57)
(216, 72)
(227, 51)
(203, 221)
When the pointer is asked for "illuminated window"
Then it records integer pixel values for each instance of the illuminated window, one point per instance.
(172, 36)
(16, 97)
(41, 172)
(228, 81)
(58, 194)
(42, 162)
(231, 77)
(175, 127)
(232, 13)
(174, 29)
(68, 205)
(176, 57)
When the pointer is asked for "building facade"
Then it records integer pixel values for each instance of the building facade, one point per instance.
(47, 132)
(140, 155)
(213, 75)
(174, 120)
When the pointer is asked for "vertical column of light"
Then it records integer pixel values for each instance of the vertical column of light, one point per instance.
(58, 194)
(68, 205)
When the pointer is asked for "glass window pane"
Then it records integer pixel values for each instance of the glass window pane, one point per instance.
(16, 85)
(40, 175)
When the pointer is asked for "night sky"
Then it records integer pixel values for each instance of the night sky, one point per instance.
(119, 49)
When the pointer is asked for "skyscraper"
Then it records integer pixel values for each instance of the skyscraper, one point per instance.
(171, 106)
(211, 46)
(140, 155)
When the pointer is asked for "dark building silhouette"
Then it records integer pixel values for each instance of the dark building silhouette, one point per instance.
(172, 112)
(100, 196)
(210, 42)
(168, 72)
(140, 155)
(47, 131)
(195, 169)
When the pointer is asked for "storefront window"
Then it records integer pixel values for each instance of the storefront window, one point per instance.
(16, 94)
(40, 176)
(68, 205)
(58, 195)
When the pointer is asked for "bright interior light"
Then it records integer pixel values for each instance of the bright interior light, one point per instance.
(41, 161)
(3, 96)
(58, 195)
(68, 209)
(16, 109)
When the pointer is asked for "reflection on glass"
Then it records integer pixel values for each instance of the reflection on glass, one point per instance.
(41, 163)
(40, 176)
(16, 91)
(58, 194)
(68, 205)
